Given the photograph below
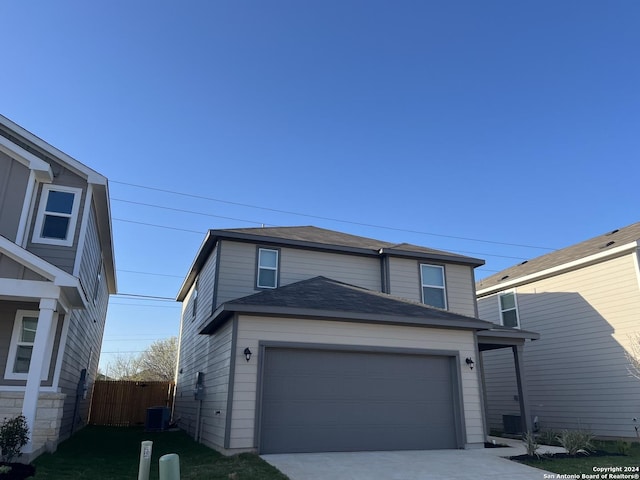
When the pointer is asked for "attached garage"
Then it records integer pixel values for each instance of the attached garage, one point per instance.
(328, 398)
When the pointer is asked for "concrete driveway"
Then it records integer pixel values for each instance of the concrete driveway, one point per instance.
(408, 465)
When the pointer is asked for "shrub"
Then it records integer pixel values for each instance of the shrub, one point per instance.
(14, 435)
(576, 441)
(623, 447)
(530, 443)
(548, 437)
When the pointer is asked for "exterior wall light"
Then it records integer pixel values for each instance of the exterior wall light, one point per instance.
(470, 363)
(247, 354)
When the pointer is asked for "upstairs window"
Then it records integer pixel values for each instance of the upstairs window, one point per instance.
(509, 310)
(194, 299)
(433, 287)
(267, 268)
(57, 215)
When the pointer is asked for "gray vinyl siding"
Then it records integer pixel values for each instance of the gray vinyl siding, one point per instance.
(91, 262)
(252, 330)
(14, 178)
(217, 376)
(404, 275)
(195, 353)
(61, 256)
(238, 269)
(86, 328)
(297, 265)
(460, 289)
(577, 372)
(9, 268)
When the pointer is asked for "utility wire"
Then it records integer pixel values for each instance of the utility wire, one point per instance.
(140, 296)
(187, 211)
(466, 252)
(150, 273)
(159, 226)
(288, 212)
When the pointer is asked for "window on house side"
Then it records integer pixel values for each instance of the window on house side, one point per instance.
(267, 268)
(195, 299)
(24, 348)
(57, 215)
(433, 288)
(96, 287)
(509, 310)
(21, 346)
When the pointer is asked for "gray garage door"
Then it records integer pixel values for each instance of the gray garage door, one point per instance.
(324, 400)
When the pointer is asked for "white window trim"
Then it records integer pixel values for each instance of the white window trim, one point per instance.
(443, 287)
(194, 299)
(260, 250)
(73, 217)
(9, 374)
(515, 302)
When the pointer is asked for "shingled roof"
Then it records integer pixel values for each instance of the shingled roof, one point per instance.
(607, 242)
(320, 237)
(324, 298)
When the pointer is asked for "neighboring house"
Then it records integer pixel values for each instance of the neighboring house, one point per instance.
(584, 301)
(56, 274)
(301, 339)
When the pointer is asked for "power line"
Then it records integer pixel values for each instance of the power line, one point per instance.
(145, 306)
(288, 212)
(140, 296)
(181, 210)
(466, 252)
(150, 273)
(159, 226)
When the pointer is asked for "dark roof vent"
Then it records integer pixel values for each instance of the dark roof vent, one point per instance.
(526, 261)
(612, 232)
(504, 278)
(609, 244)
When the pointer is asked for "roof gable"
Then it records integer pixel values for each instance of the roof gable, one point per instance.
(597, 248)
(41, 157)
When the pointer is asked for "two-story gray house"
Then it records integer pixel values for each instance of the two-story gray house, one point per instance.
(584, 300)
(56, 274)
(301, 339)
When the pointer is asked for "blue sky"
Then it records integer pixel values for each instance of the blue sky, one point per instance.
(416, 121)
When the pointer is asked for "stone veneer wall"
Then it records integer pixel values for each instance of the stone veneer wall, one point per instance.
(48, 418)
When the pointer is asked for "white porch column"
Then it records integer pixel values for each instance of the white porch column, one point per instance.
(43, 331)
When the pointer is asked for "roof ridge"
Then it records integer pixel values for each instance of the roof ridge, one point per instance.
(600, 243)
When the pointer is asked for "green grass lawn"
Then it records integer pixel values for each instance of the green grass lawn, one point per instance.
(114, 453)
(584, 464)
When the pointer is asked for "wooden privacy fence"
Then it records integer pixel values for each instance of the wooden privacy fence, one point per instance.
(124, 403)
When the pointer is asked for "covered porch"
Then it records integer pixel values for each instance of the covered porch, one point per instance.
(500, 337)
(36, 300)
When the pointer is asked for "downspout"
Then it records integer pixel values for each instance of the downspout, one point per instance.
(385, 282)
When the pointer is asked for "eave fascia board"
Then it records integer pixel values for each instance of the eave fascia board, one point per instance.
(559, 269)
(225, 311)
(77, 167)
(266, 239)
(206, 247)
(105, 232)
(515, 333)
(35, 263)
(41, 168)
(461, 260)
